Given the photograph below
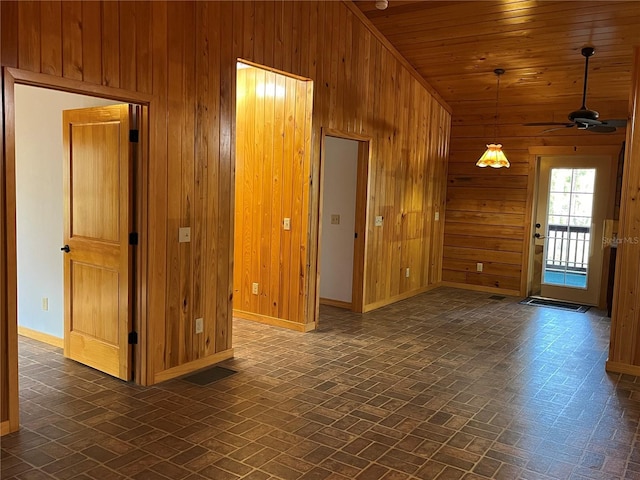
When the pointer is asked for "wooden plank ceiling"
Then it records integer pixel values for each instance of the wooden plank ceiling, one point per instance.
(456, 45)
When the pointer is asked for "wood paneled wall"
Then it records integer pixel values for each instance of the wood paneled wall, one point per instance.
(183, 54)
(488, 209)
(624, 349)
(273, 159)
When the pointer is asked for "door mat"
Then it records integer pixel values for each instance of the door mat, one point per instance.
(210, 375)
(544, 302)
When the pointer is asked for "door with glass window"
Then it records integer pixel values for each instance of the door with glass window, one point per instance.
(572, 197)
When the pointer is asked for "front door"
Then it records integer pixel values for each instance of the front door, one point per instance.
(97, 255)
(572, 196)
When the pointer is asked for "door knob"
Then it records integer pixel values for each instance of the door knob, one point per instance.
(537, 235)
(66, 249)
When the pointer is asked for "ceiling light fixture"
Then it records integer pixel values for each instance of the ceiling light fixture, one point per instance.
(494, 156)
(382, 4)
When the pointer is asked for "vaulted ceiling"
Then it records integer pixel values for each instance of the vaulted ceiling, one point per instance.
(456, 45)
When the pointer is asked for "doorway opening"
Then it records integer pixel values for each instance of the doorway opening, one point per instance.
(572, 205)
(344, 173)
(39, 207)
(22, 183)
(272, 197)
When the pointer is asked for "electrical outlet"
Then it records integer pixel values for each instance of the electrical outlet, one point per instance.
(45, 303)
(184, 235)
(335, 219)
(286, 224)
(199, 325)
(254, 288)
(406, 273)
(379, 220)
(479, 267)
(437, 216)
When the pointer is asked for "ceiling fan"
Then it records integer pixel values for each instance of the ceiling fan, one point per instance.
(584, 118)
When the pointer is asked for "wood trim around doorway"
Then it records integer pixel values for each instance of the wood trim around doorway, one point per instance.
(8, 238)
(535, 153)
(362, 211)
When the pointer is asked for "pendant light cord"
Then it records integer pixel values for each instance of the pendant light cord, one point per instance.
(498, 72)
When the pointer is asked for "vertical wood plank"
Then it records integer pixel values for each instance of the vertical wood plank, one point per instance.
(258, 187)
(174, 348)
(128, 45)
(51, 48)
(143, 63)
(248, 19)
(215, 286)
(259, 33)
(269, 33)
(111, 44)
(226, 178)
(286, 33)
(278, 167)
(287, 260)
(91, 42)
(242, 133)
(200, 217)
(29, 35)
(247, 185)
(267, 186)
(9, 34)
(189, 254)
(72, 32)
(157, 220)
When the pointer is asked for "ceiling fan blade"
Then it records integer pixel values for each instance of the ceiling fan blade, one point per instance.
(601, 129)
(568, 125)
(544, 124)
(619, 122)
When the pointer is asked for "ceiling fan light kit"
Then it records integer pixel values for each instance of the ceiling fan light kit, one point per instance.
(494, 156)
(585, 118)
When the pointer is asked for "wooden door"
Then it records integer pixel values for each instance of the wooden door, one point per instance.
(572, 194)
(98, 258)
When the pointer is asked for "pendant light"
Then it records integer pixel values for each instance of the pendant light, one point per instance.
(494, 156)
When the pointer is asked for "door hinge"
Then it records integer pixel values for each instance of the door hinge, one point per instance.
(356, 236)
(133, 136)
(133, 238)
(133, 338)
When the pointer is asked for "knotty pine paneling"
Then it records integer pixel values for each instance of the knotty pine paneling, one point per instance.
(486, 213)
(184, 54)
(273, 157)
(624, 354)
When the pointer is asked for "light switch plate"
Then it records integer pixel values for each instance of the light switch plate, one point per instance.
(199, 325)
(335, 219)
(45, 303)
(479, 267)
(184, 234)
(286, 224)
(379, 220)
(437, 216)
(254, 288)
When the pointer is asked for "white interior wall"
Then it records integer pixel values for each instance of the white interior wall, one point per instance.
(39, 202)
(339, 198)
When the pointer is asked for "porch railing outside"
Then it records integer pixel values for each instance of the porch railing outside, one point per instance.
(568, 248)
